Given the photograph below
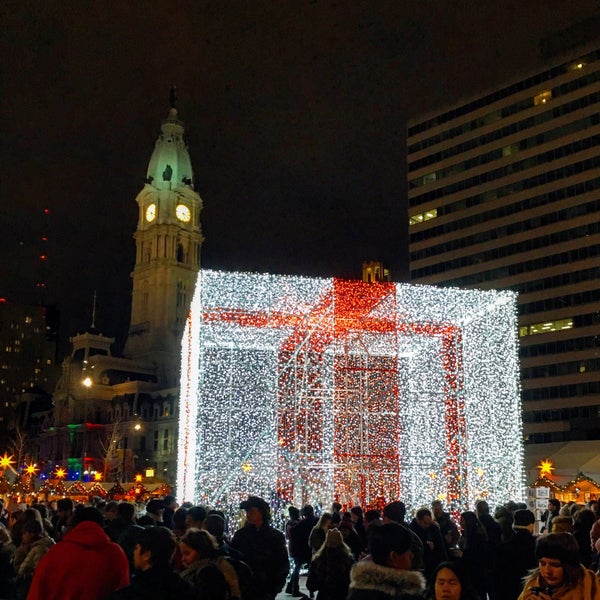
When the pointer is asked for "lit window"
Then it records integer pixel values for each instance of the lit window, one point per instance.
(576, 66)
(430, 214)
(28, 320)
(546, 327)
(542, 98)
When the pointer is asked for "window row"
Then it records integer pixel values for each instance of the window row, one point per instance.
(546, 327)
(559, 302)
(497, 153)
(516, 167)
(564, 215)
(498, 134)
(562, 414)
(570, 345)
(560, 369)
(573, 390)
(563, 436)
(525, 266)
(502, 211)
(494, 97)
(536, 285)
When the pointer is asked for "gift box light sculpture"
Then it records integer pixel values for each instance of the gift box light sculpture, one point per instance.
(313, 389)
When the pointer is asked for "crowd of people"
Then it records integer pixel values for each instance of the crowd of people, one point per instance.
(106, 550)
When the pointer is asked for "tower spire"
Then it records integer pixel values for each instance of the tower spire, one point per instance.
(173, 97)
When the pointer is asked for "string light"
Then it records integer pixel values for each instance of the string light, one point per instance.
(362, 392)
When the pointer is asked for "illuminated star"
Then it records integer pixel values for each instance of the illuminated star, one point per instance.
(60, 473)
(6, 462)
(546, 467)
(97, 476)
(31, 469)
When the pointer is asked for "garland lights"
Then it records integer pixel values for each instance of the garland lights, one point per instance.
(318, 389)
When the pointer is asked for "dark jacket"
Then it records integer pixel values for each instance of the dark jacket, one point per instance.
(207, 581)
(265, 552)
(156, 584)
(299, 534)
(430, 536)
(514, 559)
(329, 574)
(369, 581)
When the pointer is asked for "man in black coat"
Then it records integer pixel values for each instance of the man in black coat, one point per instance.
(263, 548)
(434, 548)
(515, 557)
(300, 549)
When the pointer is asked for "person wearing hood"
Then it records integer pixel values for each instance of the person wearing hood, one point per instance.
(34, 544)
(85, 564)
(387, 576)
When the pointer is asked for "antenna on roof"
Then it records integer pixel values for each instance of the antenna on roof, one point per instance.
(94, 312)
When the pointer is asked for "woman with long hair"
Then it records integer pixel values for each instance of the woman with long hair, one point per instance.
(473, 551)
(450, 582)
(319, 531)
(200, 559)
(559, 574)
(329, 572)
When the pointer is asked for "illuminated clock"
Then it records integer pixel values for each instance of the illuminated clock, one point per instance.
(183, 213)
(151, 212)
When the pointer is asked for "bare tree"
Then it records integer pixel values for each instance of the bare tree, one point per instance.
(112, 454)
(18, 446)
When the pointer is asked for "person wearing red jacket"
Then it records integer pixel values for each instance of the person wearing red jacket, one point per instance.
(84, 564)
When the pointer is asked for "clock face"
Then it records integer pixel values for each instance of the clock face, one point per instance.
(183, 213)
(151, 212)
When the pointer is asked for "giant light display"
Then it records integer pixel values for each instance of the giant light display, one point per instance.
(313, 389)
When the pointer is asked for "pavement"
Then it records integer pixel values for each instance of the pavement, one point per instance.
(283, 596)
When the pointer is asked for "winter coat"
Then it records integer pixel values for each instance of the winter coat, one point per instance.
(588, 587)
(316, 539)
(156, 584)
(84, 564)
(299, 535)
(265, 552)
(514, 559)
(207, 580)
(432, 556)
(26, 563)
(369, 581)
(329, 574)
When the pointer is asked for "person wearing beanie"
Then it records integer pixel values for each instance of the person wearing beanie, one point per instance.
(395, 512)
(329, 572)
(515, 557)
(559, 574)
(388, 575)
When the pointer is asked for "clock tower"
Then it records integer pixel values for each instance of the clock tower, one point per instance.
(168, 240)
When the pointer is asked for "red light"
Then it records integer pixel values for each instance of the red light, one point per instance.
(43, 256)
(44, 238)
(47, 211)
(2, 299)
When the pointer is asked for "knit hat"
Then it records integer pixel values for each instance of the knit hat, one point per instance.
(523, 518)
(559, 546)
(395, 511)
(334, 538)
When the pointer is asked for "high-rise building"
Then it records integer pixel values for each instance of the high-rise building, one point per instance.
(27, 355)
(504, 192)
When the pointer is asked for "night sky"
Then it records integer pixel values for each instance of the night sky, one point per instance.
(295, 114)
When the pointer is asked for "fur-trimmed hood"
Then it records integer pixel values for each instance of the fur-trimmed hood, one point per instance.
(391, 582)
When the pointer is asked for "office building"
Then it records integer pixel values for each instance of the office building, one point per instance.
(504, 192)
